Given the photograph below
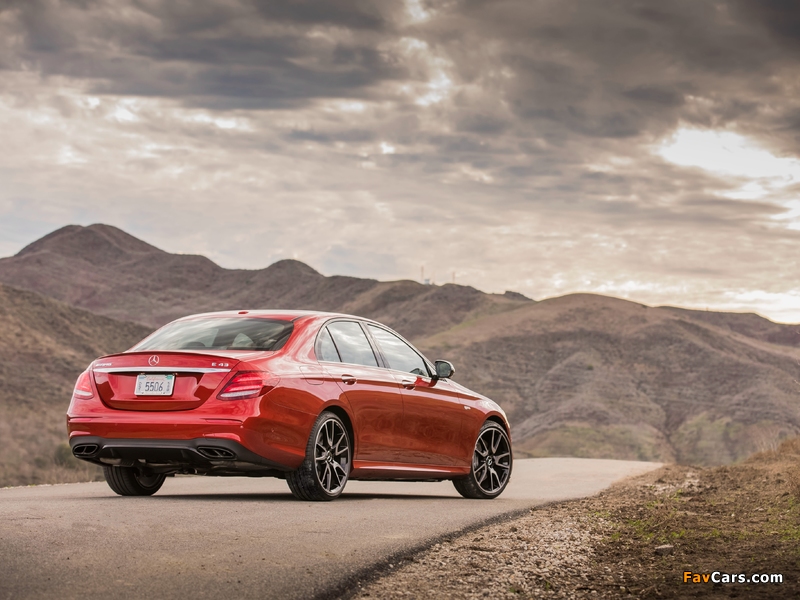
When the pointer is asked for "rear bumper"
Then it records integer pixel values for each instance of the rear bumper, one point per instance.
(279, 437)
(207, 456)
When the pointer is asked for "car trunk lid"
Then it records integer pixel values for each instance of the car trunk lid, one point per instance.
(194, 377)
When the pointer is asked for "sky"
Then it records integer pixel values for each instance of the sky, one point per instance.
(639, 149)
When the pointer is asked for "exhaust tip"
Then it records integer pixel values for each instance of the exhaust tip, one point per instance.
(215, 453)
(85, 450)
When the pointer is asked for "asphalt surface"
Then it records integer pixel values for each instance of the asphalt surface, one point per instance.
(248, 538)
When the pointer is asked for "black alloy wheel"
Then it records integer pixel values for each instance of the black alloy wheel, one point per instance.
(491, 464)
(129, 481)
(325, 470)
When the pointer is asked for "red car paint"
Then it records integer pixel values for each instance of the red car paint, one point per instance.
(404, 426)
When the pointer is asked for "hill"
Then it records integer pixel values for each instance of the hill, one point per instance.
(580, 375)
(587, 375)
(105, 270)
(44, 346)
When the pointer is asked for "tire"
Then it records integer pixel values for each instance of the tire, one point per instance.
(329, 456)
(491, 465)
(128, 481)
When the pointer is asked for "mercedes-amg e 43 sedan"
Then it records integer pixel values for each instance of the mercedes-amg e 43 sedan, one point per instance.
(314, 398)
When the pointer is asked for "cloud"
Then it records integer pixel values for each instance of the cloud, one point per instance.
(215, 53)
(515, 143)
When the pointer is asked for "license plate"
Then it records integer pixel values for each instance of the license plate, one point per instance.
(154, 385)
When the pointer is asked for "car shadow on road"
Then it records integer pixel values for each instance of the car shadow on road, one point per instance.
(286, 497)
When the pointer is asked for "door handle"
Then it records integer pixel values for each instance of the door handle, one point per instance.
(409, 384)
(349, 379)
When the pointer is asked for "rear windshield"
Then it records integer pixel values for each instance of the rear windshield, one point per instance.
(220, 334)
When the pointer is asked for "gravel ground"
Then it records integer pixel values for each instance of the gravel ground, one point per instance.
(635, 540)
(547, 553)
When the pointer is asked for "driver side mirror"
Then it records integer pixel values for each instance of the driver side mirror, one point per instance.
(444, 369)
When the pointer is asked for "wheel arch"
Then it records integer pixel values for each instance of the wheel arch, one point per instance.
(348, 422)
(500, 421)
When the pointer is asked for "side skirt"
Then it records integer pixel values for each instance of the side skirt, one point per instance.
(365, 470)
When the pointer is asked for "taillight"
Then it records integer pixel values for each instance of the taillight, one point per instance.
(83, 387)
(247, 384)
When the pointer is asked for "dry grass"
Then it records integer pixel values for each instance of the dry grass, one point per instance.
(791, 449)
(732, 519)
(37, 451)
(742, 518)
(44, 345)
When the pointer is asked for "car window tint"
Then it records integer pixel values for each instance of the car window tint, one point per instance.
(325, 349)
(400, 355)
(219, 333)
(352, 343)
(242, 342)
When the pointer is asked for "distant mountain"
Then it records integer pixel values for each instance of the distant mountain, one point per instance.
(105, 270)
(580, 375)
(587, 375)
(44, 346)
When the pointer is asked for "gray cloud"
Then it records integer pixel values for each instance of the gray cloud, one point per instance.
(516, 141)
(218, 53)
(616, 69)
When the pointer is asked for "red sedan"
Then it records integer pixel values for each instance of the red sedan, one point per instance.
(313, 398)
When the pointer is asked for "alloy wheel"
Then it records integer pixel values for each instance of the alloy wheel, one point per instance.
(491, 462)
(332, 456)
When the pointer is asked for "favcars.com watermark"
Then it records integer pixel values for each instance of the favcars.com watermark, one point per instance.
(720, 577)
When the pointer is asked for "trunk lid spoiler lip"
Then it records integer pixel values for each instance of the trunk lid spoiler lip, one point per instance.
(236, 355)
(217, 362)
(136, 368)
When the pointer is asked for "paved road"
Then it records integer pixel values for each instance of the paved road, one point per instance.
(247, 538)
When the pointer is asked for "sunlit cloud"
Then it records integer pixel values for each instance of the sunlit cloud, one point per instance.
(220, 122)
(124, 112)
(417, 12)
(729, 154)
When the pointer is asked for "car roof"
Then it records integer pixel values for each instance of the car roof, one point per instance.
(279, 314)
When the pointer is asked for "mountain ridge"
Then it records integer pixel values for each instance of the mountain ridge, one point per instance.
(654, 383)
(105, 270)
(579, 375)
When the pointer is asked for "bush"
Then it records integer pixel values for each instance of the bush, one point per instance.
(62, 456)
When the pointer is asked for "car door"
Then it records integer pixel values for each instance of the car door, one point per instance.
(432, 409)
(372, 392)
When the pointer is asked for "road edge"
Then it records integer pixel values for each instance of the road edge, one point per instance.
(350, 586)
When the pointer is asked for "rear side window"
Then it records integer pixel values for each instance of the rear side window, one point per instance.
(352, 343)
(399, 355)
(326, 351)
(222, 333)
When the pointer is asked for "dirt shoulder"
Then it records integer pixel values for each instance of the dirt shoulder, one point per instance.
(741, 519)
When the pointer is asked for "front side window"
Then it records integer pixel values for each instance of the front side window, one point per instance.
(219, 333)
(399, 355)
(352, 343)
